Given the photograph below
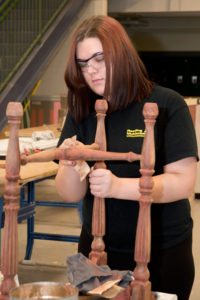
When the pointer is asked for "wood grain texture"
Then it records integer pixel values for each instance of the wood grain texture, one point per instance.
(9, 260)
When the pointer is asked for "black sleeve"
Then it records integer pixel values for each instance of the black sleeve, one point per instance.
(176, 129)
(180, 136)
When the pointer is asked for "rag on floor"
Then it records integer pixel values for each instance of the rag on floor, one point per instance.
(86, 275)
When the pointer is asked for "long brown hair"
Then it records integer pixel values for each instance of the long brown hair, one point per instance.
(129, 81)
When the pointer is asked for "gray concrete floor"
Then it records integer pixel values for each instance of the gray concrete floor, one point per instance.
(48, 261)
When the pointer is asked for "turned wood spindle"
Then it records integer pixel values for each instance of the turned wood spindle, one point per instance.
(9, 259)
(97, 254)
(141, 286)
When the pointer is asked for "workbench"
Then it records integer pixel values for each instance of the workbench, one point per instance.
(29, 176)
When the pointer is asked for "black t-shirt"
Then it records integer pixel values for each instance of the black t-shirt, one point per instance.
(174, 140)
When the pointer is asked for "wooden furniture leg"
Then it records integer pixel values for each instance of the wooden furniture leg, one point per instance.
(141, 286)
(97, 254)
(9, 259)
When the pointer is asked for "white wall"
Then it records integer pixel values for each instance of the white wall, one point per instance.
(168, 38)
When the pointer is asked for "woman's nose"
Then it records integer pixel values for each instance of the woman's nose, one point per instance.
(91, 69)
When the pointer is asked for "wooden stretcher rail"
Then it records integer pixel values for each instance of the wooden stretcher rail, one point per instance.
(78, 154)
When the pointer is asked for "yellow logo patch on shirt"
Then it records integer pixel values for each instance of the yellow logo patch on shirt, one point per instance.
(135, 133)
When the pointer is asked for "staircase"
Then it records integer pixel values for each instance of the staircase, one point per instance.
(30, 32)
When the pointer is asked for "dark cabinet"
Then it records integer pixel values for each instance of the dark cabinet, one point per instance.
(177, 70)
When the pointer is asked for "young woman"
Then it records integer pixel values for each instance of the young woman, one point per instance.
(103, 63)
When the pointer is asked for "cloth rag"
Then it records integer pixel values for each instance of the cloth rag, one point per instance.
(43, 135)
(86, 275)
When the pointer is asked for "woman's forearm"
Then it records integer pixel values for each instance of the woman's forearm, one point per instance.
(166, 188)
(68, 184)
(176, 183)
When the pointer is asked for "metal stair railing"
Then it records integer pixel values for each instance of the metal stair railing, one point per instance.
(22, 25)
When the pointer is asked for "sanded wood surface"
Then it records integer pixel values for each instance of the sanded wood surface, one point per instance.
(31, 172)
(97, 254)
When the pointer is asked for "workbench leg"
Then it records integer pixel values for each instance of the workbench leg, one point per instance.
(80, 205)
(1, 215)
(30, 221)
(30, 240)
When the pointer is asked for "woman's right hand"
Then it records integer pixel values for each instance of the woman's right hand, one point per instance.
(70, 143)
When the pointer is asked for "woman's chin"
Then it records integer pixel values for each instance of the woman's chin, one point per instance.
(99, 92)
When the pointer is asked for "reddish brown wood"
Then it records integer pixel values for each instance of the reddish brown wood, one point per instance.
(141, 286)
(9, 259)
(78, 154)
(97, 254)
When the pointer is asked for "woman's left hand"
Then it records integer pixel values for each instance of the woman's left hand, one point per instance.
(102, 182)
